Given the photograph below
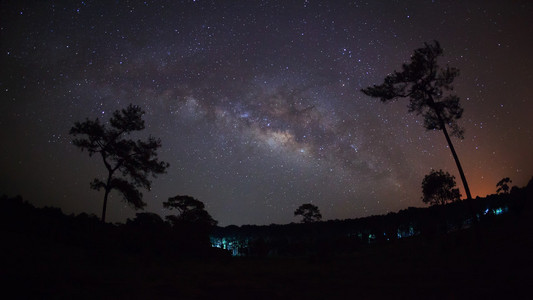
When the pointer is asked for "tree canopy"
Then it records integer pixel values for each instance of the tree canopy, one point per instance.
(190, 210)
(309, 212)
(503, 185)
(438, 188)
(134, 160)
(425, 84)
(429, 89)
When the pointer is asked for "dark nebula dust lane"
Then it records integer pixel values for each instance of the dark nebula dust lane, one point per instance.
(258, 103)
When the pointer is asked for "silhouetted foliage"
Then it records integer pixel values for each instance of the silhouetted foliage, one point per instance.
(189, 210)
(48, 254)
(438, 188)
(134, 160)
(149, 238)
(342, 237)
(428, 87)
(147, 220)
(147, 234)
(309, 212)
(503, 185)
(192, 225)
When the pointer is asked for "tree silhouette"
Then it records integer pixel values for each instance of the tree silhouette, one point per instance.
(310, 212)
(428, 88)
(134, 160)
(503, 186)
(147, 220)
(190, 211)
(438, 188)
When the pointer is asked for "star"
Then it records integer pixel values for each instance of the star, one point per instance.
(259, 106)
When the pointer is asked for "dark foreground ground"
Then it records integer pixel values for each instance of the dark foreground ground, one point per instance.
(492, 260)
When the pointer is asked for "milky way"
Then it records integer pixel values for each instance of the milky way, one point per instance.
(258, 103)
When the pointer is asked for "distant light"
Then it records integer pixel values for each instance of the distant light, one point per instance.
(498, 211)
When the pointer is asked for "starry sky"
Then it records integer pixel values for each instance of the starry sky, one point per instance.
(258, 103)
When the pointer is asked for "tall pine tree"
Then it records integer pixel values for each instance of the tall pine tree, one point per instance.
(429, 90)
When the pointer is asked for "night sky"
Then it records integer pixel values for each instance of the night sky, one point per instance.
(258, 103)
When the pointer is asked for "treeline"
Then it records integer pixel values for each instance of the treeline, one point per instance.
(346, 236)
(146, 234)
(149, 234)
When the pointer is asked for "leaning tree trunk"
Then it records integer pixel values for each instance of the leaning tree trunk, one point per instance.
(107, 190)
(463, 178)
(105, 205)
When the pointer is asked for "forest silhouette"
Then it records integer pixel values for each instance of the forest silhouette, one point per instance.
(49, 254)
